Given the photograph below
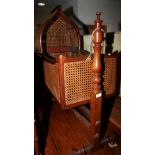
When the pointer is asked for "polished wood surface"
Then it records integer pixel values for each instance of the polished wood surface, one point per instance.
(88, 29)
(96, 94)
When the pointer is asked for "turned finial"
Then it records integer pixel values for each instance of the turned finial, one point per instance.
(98, 34)
(98, 15)
(98, 21)
(97, 66)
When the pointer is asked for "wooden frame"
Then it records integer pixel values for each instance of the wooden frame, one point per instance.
(96, 95)
(61, 62)
(56, 13)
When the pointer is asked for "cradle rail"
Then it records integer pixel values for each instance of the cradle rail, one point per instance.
(70, 78)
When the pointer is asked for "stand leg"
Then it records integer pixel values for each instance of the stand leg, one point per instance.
(95, 118)
(36, 143)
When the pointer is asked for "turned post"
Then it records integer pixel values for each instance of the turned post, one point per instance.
(96, 94)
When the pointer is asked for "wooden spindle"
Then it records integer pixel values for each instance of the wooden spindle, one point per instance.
(96, 94)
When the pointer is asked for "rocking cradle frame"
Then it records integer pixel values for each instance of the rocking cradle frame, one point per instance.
(58, 56)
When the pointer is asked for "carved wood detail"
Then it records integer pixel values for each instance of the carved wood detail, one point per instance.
(96, 94)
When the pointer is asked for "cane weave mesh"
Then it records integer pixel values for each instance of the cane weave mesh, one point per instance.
(110, 75)
(61, 34)
(78, 79)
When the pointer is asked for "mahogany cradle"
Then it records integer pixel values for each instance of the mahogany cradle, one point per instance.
(73, 76)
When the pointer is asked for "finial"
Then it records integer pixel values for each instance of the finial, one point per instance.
(98, 15)
(98, 20)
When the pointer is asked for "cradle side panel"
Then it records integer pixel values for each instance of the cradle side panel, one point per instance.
(77, 80)
(52, 79)
(110, 74)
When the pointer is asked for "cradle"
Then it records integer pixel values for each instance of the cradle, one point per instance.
(71, 74)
